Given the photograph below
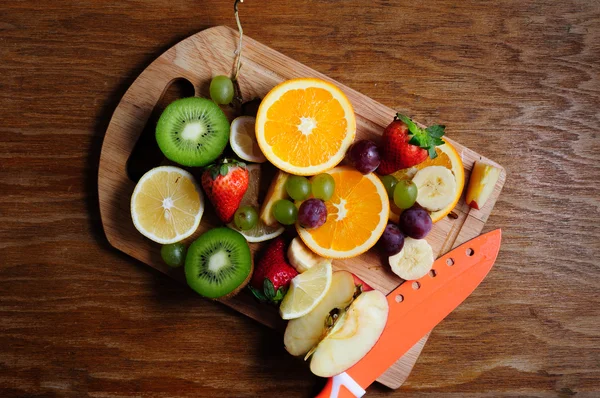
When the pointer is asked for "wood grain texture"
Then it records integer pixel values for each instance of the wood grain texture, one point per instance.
(518, 81)
(212, 52)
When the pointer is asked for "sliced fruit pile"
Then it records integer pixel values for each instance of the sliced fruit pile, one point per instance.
(391, 194)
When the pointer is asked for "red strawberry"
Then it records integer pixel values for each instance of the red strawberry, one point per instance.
(272, 273)
(404, 144)
(225, 184)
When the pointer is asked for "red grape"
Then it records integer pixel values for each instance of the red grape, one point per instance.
(415, 222)
(364, 156)
(312, 213)
(392, 240)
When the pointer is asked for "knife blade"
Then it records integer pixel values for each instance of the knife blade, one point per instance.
(416, 307)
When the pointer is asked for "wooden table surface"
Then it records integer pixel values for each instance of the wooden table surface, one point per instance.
(518, 81)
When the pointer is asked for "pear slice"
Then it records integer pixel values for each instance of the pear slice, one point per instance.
(305, 332)
(353, 336)
(481, 184)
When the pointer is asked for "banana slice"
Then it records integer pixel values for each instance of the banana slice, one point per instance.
(437, 187)
(414, 260)
(302, 258)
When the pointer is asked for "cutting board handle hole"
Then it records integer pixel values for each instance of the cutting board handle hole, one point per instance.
(416, 285)
(399, 298)
(470, 252)
(450, 262)
(146, 154)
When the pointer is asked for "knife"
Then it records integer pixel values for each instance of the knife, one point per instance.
(416, 307)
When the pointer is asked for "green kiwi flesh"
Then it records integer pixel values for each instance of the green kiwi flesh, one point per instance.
(192, 131)
(218, 264)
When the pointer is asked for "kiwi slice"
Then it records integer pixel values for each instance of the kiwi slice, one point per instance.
(192, 131)
(218, 264)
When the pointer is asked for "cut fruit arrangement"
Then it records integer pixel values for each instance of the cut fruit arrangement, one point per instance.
(388, 194)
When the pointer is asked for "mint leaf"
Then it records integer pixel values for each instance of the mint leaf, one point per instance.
(257, 293)
(432, 153)
(412, 127)
(427, 138)
(224, 169)
(269, 288)
(417, 141)
(279, 295)
(436, 130)
(437, 141)
(214, 172)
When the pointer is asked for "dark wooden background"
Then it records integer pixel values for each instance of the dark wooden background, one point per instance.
(518, 81)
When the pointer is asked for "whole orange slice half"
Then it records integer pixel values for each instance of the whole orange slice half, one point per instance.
(357, 214)
(304, 126)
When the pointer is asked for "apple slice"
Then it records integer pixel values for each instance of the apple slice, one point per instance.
(353, 336)
(481, 184)
(276, 192)
(302, 334)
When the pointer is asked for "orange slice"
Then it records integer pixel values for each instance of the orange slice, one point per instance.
(305, 126)
(167, 205)
(447, 157)
(357, 214)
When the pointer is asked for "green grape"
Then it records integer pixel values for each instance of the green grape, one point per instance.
(174, 254)
(405, 194)
(297, 187)
(245, 218)
(389, 182)
(221, 90)
(285, 212)
(323, 186)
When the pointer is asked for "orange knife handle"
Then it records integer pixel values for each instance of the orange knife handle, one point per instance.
(341, 386)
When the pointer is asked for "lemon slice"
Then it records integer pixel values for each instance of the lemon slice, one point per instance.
(167, 205)
(261, 232)
(306, 291)
(243, 139)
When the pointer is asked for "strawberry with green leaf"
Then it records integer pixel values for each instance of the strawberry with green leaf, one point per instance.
(404, 144)
(225, 184)
(272, 273)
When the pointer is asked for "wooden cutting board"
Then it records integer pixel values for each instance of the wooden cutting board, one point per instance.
(197, 59)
